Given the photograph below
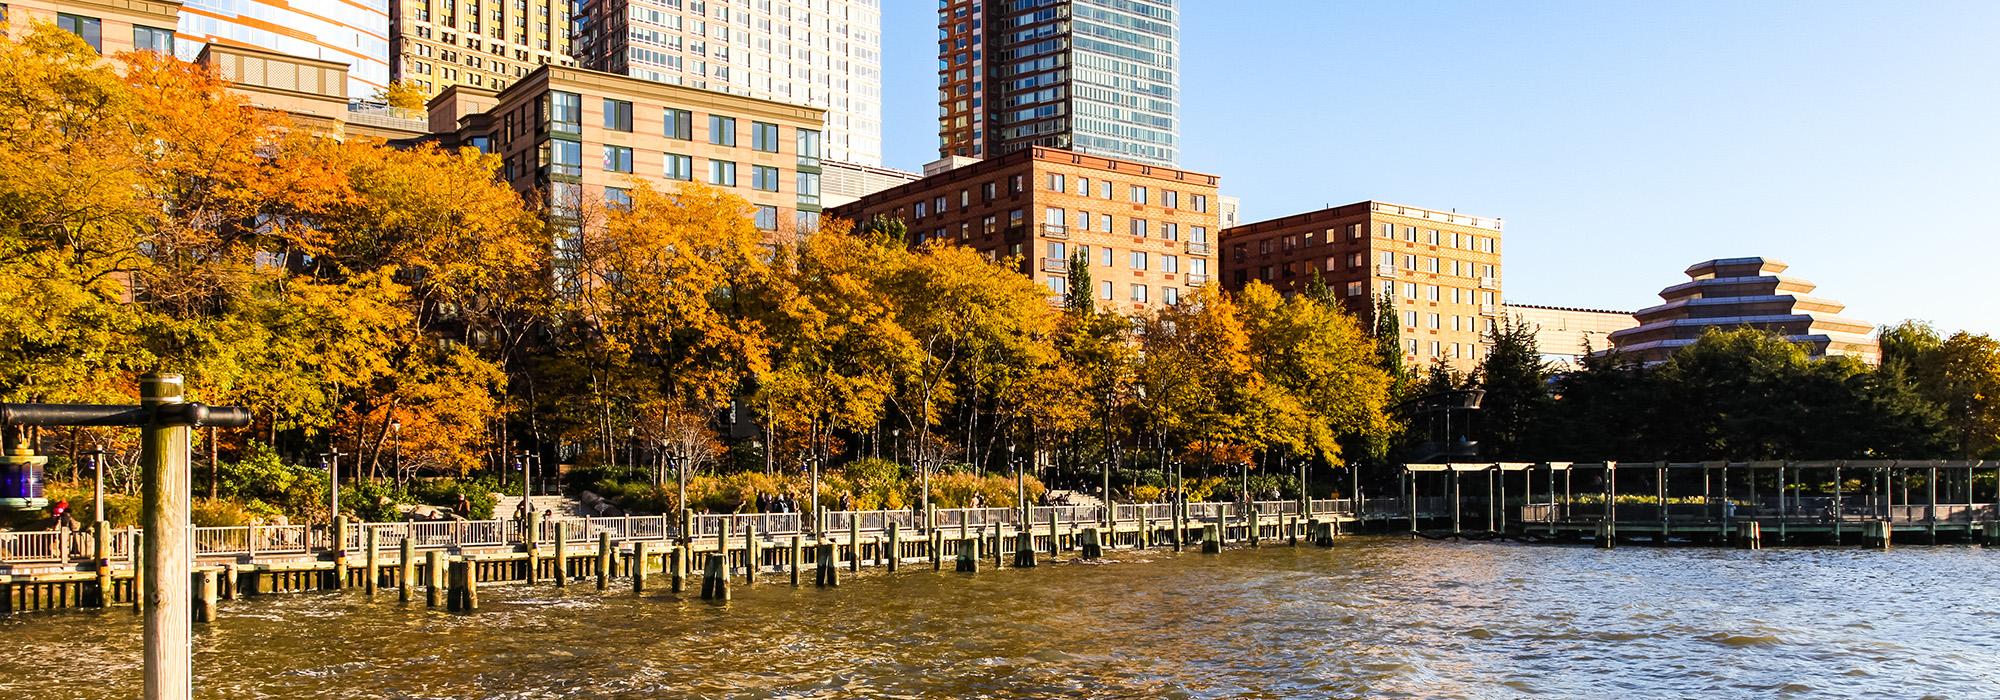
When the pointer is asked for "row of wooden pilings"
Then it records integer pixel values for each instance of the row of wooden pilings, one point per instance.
(1876, 534)
(453, 580)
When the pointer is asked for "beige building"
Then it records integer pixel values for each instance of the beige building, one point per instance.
(1440, 268)
(1565, 335)
(571, 136)
(109, 26)
(1745, 293)
(435, 44)
(847, 182)
(1145, 229)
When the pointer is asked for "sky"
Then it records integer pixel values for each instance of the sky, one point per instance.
(1620, 141)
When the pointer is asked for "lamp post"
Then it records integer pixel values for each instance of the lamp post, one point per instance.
(330, 461)
(679, 466)
(1020, 482)
(95, 457)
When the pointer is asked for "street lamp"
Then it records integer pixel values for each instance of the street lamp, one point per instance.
(330, 461)
(1020, 482)
(95, 458)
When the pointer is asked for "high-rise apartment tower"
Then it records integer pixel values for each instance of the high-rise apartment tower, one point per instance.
(1092, 76)
(816, 53)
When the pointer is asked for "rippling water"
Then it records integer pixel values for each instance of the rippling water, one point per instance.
(1371, 617)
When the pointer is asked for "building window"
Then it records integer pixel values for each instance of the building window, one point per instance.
(763, 178)
(1433, 321)
(618, 198)
(1170, 295)
(1056, 183)
(806, 220)
(1354, 289)
(1138, 260)
(1083, 186)
(565, 112)
(679, 167)
(808, 144)
(722, 173)
(767, 218)
(1139, 228)
(1197, 234)
(87, 27)
(160, 41)
(1083, 221)
(1170, 263)
(1055, 216)
(1170, 230)
(1410, 320)
(1170, 199)
(1104, 290)
(617, 159)
(565, 157)
(1059, 285)
(1106, 256)
(1105, 220)
(721, 130)
(679, 124)
(764, 137)
(1139, 293)
(808, 185)
(617, 115)
(1105, 188)
(1200, 202)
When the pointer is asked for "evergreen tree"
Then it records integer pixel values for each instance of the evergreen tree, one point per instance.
(1389, 340)
(1077, 299)
(881, 225)
(1517, 395)
(1317, 290)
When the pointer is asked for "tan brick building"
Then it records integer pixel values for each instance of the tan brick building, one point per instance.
(574, 136)
(1442, 269)
(1562, 334)
(110, 26)
(435, 44)
(1146, 229)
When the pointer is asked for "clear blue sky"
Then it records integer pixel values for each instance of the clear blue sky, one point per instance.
(1621, 141)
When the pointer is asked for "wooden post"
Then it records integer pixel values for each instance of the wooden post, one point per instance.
(562, 556)
(895, 546)
(715, 577)
(374, 565)
(339, 552)
(853, 542)
(639, 568)
(1054, 539)
(468, 590)
(1145, 529)
(433, 577)
(1750, 535)
(165, 483)
(750, 555)
(798, 557)
(937, 549)
(968, 555)
(1024, 548)
(204, 595)
(1292, 530)
(406, 569)
(1092, 548)
(995, 548)
(532, 537)
(1211, 536)
(604, 560)
(102, 531)
(231, 580)
(828, 572)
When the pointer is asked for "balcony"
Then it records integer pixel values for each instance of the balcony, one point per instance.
(1197, 248)
(1057, 231)
(1385, 270)
(1489, 283)
(1057, 265)
(1197, 280)
(1488, 310)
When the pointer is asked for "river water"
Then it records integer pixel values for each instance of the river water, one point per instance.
(1382, 617)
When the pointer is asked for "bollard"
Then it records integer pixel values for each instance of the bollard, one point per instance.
(1024, 550)
(895, 546)
(798, 558)
(434, 577)
(828, 572)
(562, 557)
(374, 565)
(1211, 537)
(406, 569)
(204, 595)
(937, 550)
(603, 560)
(1092, 548)
(715, 579)
(639, 568)
(1292, 530)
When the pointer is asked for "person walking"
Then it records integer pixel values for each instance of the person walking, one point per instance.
(65, 527)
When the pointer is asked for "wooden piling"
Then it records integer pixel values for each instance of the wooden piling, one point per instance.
(828, 572)
(798, 558)
(853, 543)
(750, 555)
(374, 565)
(138, 572)
(715, 579)
(1055, 540)
(1750, 535)
(1024, 549)
(339, 552)
(679, 559)
(532, 539)
(204, 595)
(603, 560)
(468, 588)
(231, 580)
(1211, 537)
(102, 530)
(562, 558)
(434, 577)
(1092, 547)
(937, 550)
(993, 545)
(968, 556)
(1292, 530)
(895, 546)
(639, 569)
(1990, 533)
(1607, 538)
(406, 570)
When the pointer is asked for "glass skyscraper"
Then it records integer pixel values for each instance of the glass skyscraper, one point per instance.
(1095, 76)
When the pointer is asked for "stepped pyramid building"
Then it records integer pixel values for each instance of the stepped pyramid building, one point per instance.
(1744, 293)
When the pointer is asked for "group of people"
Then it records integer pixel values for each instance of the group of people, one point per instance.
(781, 503)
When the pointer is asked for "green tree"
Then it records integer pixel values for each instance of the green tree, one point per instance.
(1517, 398)
(1078, 297)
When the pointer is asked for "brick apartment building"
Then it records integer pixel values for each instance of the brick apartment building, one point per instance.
(1442, 269)
(1145, 229)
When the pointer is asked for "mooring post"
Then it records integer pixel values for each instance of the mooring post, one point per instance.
(1054, 538)
(433, 577)
(165, 485)
(937, 549)
(827, 570)
(639, 568)
(406, 569)
(1024, 548)
(998, 534)
(468, 590)
(1092, 548)
(895, 546)
(1292, 530)
(751, 556)
(562, 555)
(715, 576)
(374, 566)
(340, 552)
(1211, 536)
(204, 595)
(1750, 535)
(853, 542)
(101, 530)
(604, 560)
(531, 536)
(232, 580)
(968, 555)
